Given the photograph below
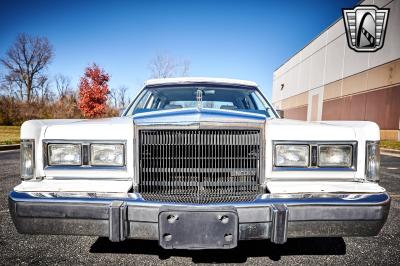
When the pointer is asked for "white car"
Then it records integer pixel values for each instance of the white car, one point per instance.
(199, 163)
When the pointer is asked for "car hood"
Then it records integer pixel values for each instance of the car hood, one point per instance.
(287, 129)
(196, 115)
(275, 129)
(116, 128)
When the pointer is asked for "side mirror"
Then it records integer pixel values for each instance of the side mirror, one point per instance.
(280, 113)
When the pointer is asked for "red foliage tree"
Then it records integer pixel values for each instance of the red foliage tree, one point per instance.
(93, 91)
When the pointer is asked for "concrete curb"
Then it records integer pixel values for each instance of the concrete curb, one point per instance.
(393, 151)
(9, 147)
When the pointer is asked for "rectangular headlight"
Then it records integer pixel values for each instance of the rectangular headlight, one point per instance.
(27, 158)
(107, 154)
(292, 155)
(64, 154)
(335, 156)
(372, 161)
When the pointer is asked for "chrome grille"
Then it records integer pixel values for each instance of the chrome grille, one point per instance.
(199, 166)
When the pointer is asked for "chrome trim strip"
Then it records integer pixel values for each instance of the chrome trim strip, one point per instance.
(317, 199)
(353, 143)
(106, 178)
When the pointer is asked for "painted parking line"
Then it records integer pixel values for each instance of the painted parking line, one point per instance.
(390, 154)
(9, 151)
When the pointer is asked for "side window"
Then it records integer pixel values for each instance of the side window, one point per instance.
(133, 105)
(142, 102)
(260, 105)
(150, 102)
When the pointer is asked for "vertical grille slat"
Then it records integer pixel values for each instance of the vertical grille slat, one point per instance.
(199, 166)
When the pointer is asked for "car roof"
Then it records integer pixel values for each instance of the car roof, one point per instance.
(191, 80)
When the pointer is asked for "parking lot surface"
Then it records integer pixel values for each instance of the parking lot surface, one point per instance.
(72, 250)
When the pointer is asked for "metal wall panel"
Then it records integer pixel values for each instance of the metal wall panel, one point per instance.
(341, 62)
(299, 113)
(380, 106)
(334, 60)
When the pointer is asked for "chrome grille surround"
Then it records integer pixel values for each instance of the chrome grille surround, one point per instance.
(193, 164)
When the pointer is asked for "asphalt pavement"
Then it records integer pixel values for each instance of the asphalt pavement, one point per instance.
(17, 249)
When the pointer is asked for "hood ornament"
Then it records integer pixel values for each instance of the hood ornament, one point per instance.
(199, 98)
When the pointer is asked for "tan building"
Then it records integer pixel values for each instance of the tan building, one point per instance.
(326, 80)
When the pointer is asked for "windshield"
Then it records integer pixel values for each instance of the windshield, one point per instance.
(180, 97)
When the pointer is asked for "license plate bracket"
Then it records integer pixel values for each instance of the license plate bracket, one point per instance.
(189, 228)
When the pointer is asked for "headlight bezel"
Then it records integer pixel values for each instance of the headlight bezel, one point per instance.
(49, 163)
(319, 164)
(307, 159)
(314, 155)
(85, 154)
(91, 151)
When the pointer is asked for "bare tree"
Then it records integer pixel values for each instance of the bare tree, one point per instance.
(113, 99)
(63, 85)
(12, 86)
(122, 97)
(164, 66)
(118, 97)
(26, 61)
(43, 90)
(5, 89)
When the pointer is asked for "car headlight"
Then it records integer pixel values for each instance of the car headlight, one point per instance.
(107, 154)
(27, 158)
(292, 155)
(335, 156)
(372, 161)
(64, 154)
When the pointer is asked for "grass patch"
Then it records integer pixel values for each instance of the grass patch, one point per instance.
(9, 134)
(390, 144)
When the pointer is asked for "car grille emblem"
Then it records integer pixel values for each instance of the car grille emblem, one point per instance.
(365, 27)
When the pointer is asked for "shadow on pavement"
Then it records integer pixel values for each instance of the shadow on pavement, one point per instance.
(246, 249)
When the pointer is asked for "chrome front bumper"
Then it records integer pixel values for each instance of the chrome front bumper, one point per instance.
(270, 216)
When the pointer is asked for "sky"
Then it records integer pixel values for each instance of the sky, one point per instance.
(230, 39)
